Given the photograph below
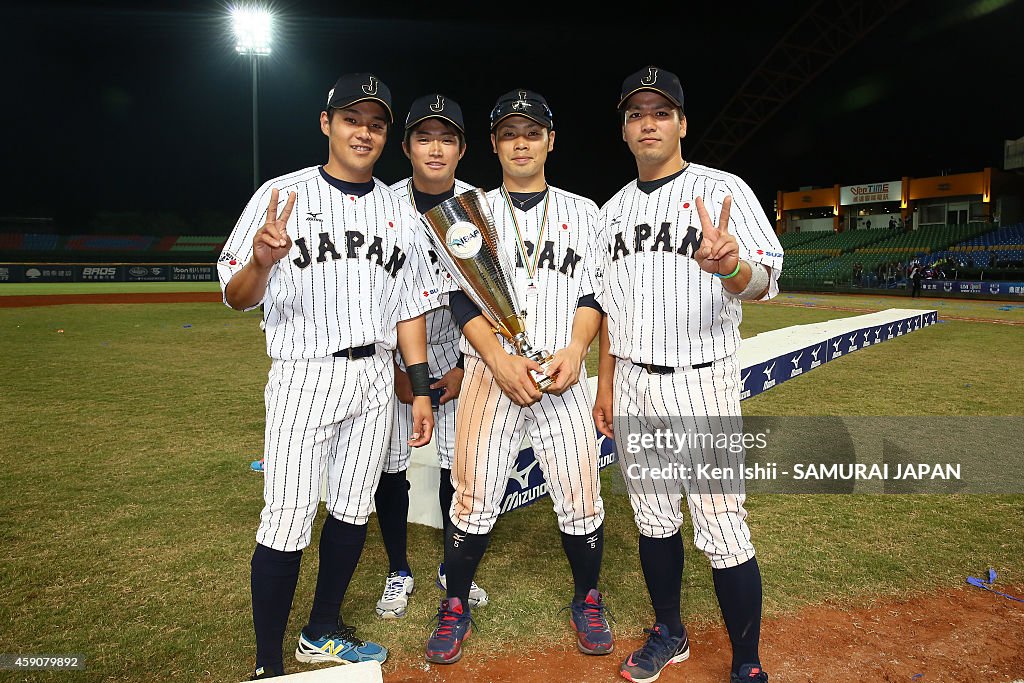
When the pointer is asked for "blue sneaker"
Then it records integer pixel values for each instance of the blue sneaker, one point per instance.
(256, 465)
(749, 673)
(593, 635)
(660, 650)
(453, 626)
(340, 646)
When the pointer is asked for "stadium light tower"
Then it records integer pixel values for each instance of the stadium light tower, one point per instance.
(252, 27)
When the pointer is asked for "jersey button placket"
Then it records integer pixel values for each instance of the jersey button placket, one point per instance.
(351, 204)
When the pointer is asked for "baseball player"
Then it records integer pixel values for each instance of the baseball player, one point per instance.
(343, 277)
(435, 142)
(686, 244)
(551, 236)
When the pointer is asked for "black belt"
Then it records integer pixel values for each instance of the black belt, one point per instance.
(356, 352)
(668, 369)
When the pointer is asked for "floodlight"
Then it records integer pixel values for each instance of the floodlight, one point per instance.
(253, 30)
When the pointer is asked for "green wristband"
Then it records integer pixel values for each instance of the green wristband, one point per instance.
(732, 274)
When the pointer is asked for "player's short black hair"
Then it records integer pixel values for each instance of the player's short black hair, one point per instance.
(330, 117)
(621, 111)
(458, 133)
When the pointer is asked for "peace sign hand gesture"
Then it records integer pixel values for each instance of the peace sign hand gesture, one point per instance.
(271, 242)
(719, 252)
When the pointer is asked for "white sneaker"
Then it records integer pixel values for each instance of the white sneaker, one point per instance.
(397, 589)
(477, 595)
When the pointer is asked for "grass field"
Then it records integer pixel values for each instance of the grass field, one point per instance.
(129, 508)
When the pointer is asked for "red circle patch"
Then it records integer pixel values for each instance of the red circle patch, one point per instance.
(233, 262)
(686, 205)
(564, 226)
(391, 224)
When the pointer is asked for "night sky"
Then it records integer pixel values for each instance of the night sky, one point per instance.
(146, 107)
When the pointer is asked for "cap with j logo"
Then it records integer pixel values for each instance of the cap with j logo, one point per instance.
(651, 78)
(435, 106)
(360, 87)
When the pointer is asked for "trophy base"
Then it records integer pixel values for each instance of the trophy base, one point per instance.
(542, 379)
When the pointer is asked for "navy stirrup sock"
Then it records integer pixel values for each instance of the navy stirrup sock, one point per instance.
(274, 574)
(392, 502)
(462, 555)
(341, 544)
(662, 562)
(739, 597)
(584, 554)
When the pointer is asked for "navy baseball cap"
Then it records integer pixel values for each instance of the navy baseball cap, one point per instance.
(657, 80)
(360, 87)
(435, 106)
(522, 102)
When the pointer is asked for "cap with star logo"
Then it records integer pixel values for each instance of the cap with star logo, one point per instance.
(522, 102)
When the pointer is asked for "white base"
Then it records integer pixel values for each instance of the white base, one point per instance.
(363, 672)
(424, 475)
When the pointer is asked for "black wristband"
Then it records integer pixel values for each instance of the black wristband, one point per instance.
(461, 363)
(419, 377)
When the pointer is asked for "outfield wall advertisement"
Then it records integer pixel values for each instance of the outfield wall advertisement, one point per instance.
(973, 287)
(140, 272)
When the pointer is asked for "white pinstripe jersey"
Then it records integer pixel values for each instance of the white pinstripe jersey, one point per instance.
(443, 332)
(566, 266)
(662, 308)
(356, 268)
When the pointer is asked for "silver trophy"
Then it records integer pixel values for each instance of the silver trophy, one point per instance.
(462, 232)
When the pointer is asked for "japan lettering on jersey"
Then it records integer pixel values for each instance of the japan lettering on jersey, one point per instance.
(565, 263)
(662, 308)
(443, 332)
(356, 268)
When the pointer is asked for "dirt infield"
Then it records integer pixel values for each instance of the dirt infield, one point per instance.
(108, 298)
(961, 635)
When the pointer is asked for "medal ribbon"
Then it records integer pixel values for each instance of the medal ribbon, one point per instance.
(520, 242)
(412, 195)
